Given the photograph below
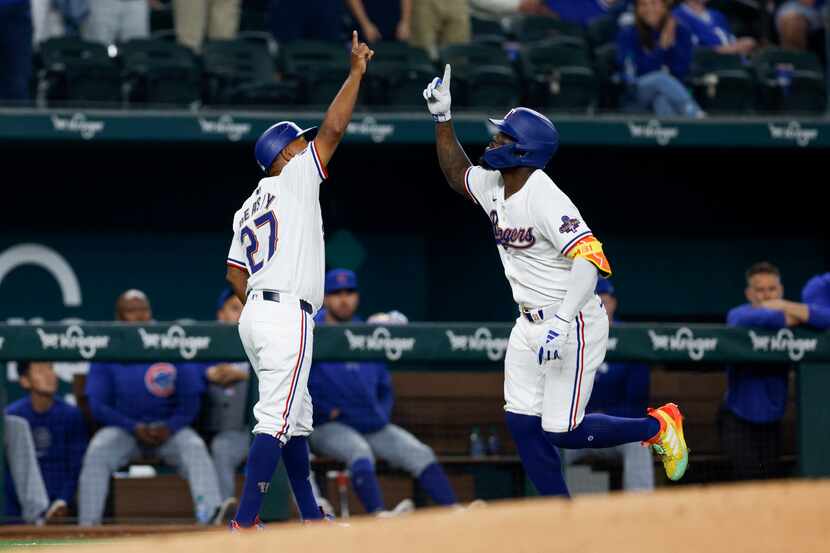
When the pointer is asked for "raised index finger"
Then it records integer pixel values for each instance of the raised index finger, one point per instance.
(447, 74)
(354, 40)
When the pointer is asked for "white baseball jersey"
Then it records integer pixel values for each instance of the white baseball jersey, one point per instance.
(537, 232)
(278, 231)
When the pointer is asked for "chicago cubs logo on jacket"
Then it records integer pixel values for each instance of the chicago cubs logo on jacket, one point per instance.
(160, 379)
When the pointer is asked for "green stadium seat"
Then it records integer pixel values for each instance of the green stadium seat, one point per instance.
(602, 30)
(721, 82)
(559, 76)
(533, 28)
(398, 75)
(160, 72)
(790, 81)
(487, 32)
(319, 67)
(611, 87)
(232, 63)
(483, 76)
(76, 72)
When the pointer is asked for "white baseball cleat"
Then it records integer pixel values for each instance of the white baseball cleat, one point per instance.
(403, 508)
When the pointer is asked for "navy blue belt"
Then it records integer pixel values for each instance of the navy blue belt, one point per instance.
(271, 295)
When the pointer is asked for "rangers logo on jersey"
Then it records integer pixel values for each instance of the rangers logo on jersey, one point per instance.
(160, 379)
(520, 238)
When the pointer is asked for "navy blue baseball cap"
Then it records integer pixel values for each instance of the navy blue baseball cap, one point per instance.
(340, 279)
(604, 286)
(223, 298)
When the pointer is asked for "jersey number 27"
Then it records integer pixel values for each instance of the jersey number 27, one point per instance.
(252, 247)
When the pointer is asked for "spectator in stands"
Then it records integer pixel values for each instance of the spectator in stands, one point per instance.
(59, 432)
(654, 55)
(15, 49)
(756, 396)
(352, 411)
(145, 409)
(383, 19)
(583, 12)
(621, 389)
(796, 20)
(439, 23)
(291, 20)
(710, 28)
(814, 308)
(196, 20)
(502, 8)
(26, 496)
(112, 21)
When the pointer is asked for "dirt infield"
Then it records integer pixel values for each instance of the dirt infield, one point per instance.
(781, 518)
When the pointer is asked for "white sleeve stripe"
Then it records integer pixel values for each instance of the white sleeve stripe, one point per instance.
(320, 169)
(467, 184)
(236, 263)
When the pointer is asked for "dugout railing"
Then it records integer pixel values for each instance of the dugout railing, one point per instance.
(444, 349)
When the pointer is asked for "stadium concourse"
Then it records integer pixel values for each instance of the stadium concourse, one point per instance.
(764, 517)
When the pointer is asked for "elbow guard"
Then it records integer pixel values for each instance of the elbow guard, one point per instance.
(591, 249)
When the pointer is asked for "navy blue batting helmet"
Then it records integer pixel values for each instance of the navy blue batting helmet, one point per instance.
(272, 141)
(536, 140)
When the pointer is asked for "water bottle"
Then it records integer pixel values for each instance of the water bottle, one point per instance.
(784, 76)
(202, 514)
(476, 443)
(493, 445)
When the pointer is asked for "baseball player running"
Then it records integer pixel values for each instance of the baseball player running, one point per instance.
(275, 267)
(552, 261)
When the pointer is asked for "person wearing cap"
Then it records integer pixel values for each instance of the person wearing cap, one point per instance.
(353, 409)
(144, 409)
(621, 389)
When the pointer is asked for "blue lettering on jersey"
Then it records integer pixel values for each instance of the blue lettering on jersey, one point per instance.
(519, 238)
(260, 204)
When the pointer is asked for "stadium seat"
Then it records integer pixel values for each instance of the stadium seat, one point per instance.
(602, 30)
(611, 87)
(721, 82)
(232, 63)
(77, 72)
(319, 67)
(262, 38)
(487, 32)
(398, 75)
(790, 81)
(558, 76)
(483, 76)
(533, 28)
(160, 72)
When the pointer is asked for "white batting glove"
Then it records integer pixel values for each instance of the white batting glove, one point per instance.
(554, 340)
(437, 95)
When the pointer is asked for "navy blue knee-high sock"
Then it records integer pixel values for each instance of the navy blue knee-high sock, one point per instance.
(598, 430)
(295, 457)
(539, 458)
(366, 485)
(262, 462)
(434, 480)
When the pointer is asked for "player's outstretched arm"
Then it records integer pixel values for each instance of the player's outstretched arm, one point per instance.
(238, 279)
(451, 157)
(340, 111)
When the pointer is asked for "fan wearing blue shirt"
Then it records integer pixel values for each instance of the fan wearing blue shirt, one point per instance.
(654, 55)
(710, 28)
(756, 395)
(584, 12)
(145, 409)
(59, 434)
(621, 389)
(352, 412)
